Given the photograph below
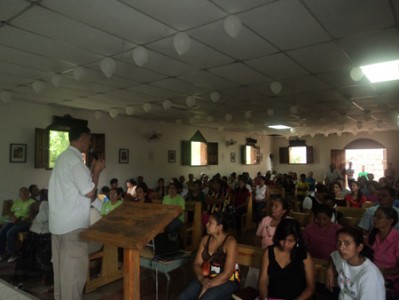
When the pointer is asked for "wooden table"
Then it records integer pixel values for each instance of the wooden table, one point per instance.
(131, 226)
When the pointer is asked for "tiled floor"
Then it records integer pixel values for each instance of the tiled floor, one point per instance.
(9, 292)
(114, 291)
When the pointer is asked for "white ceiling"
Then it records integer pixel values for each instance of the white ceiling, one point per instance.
(309, 46)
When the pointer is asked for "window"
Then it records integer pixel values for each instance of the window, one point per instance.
(49, 144)
(250, 155)
(58, 142)
(199, 154)
(297, 155)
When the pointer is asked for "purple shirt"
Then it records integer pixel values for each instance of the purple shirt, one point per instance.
(321, 242)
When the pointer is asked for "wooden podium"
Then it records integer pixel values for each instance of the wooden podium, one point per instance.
(131, 226)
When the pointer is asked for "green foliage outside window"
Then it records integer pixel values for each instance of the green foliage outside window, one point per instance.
(59, 141)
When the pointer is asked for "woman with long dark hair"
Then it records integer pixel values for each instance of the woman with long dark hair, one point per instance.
(358, 278)
(287, 270)
(355, 198)
(215, 265)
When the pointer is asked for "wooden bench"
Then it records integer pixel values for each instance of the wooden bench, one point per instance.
(352, 212)
(191, 233)
(246, 218)
(249, 256)
(351, 215)
(320, 266)
(302, 218)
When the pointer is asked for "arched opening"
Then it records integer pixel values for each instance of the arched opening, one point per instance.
(366, 156)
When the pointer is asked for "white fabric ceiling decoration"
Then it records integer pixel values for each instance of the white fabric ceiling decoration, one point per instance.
(290, 63)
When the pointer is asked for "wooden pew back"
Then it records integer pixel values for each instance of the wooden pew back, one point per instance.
(192, 233)
(249, 256)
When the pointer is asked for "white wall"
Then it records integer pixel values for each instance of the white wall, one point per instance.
(18, 121)
(322, 146)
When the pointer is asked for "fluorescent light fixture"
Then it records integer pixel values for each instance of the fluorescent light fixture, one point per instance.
(279, 127)
(385, 71)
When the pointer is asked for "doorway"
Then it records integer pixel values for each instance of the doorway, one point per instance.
(373, 160)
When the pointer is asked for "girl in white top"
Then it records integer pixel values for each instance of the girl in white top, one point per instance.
(358, 278)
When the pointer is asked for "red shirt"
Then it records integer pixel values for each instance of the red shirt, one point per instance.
(354, 202)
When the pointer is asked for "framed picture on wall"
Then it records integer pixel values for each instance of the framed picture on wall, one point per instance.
(171, 156)
(17, 153)
(232, 157)
(123, 156)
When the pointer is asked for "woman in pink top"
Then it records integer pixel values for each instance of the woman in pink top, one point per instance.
(267, 226)
(384, 240)
(320, 236)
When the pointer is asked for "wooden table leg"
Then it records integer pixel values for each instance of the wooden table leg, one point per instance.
(131, 278)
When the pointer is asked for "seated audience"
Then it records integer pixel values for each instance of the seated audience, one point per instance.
(259, 200)
(257, 179)
(34, 192)
(383, 182)
(301, 189)
(114, 201)
(386, 198)
(20, 221)
(130, 189)
(216, 200)
(287, 270)
(267, 226)
(384, 240)
(184, 187)
(160, 188)
(372, 196)
(113, 183)
(215, 264)
(362, 183)
(195, 193)
(240, 202)
(232, 181)
(140, 179)
(206, 184)
(311, 202)
(142, 193)
(311, 181)
(190, 182)
(357, 276)
(34, 257)
(320, 235)
(173, 198)
(338, 194)
(355, 198)
(105, 191)
(330, 202)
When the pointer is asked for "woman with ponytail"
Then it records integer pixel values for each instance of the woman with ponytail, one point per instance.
(358, 278)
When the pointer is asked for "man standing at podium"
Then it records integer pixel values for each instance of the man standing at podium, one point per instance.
(71, 187)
